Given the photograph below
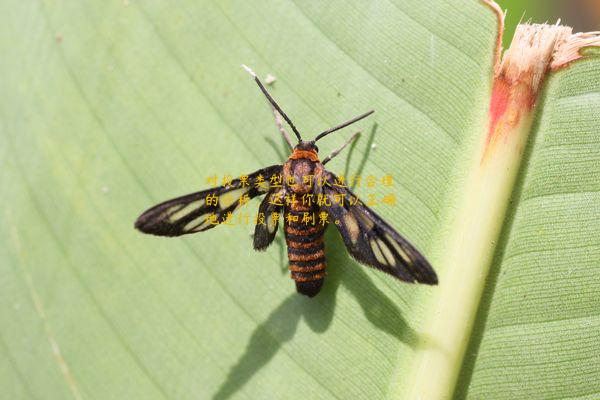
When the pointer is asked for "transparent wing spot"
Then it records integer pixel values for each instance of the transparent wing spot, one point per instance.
(369, 224)
(197, 224)
(387, 253)
(399, 249)
(352, 227)
(227, 199)
(180, 212)
(377, 252)
(271, 223)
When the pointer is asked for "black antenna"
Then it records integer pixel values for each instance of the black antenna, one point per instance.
(272, 101)
(343, 125)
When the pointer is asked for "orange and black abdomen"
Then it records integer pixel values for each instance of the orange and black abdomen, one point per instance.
(306, 251)
(304, 236)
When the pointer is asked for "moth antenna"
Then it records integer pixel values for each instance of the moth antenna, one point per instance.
(282, 130)
(343, 125)
(272, 101)
(342, 147)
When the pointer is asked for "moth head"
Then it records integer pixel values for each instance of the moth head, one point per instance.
(307, 145)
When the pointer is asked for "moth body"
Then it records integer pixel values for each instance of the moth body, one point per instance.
(308, 198)
(304, 231)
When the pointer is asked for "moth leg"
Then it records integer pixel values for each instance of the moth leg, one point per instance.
(342, 147)
(280, 127)
(264, 232)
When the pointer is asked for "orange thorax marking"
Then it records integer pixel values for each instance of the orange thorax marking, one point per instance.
(311, 155)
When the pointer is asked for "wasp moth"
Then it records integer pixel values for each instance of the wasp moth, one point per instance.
(368, 238)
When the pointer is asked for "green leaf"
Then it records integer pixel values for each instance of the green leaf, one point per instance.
(111, 107)
(538, 326)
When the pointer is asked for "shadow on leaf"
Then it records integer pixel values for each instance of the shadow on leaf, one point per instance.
(282, 323)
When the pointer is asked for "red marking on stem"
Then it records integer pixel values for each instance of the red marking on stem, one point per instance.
(498, 105)
(509, 102)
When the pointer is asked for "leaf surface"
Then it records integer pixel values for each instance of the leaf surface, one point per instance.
(111, 107)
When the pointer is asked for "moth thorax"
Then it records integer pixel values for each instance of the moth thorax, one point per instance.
(303, 174)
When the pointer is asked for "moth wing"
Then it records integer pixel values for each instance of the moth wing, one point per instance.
(265, 230)
(372, 241)
(200, 211)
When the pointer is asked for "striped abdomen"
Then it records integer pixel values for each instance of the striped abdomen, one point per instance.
(306, 251)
